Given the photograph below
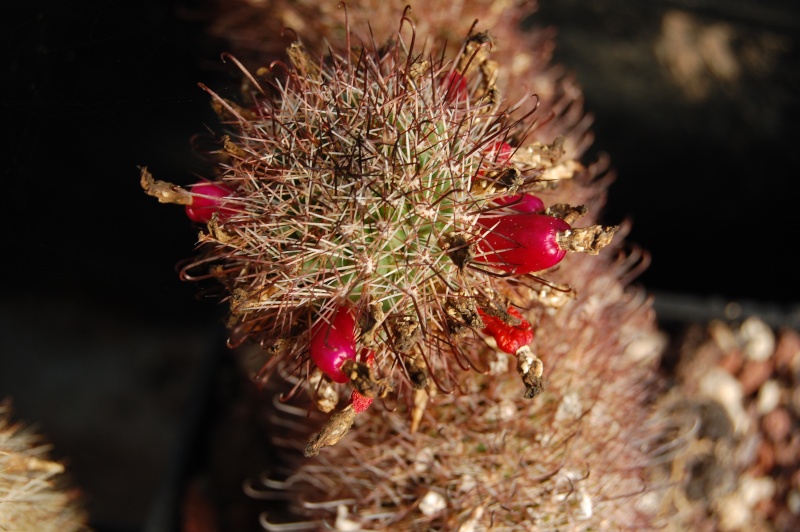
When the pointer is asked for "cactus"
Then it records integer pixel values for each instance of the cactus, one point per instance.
(34, 494)
(377, 236)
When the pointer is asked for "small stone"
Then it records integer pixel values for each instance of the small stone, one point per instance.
(793, 501)
(722, 387)
(343, 523)
(777, 424)
(423, 460)
(470, 524)
(733, 513)
(757, 339)
(432, 503)
(766, 459)
(732, 361)
(765, 508)
(723, 336)
(753, 490)
(787, 453)
(746, 453)
(787, 352)
(754, 374)
(585, 505)
(769, 397)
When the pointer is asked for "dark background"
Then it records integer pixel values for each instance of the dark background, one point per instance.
(102, 345)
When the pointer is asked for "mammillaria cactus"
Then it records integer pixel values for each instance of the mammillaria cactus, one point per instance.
(397, 225)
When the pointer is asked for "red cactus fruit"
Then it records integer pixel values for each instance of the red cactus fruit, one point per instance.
(334, 342)
(208, 198)
(521, 243)
(522, 203)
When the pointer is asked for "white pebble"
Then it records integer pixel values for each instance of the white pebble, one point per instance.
(423, 460)
(733, 513)
(722, 387)
(342, 521)
(474, 518)
(769, 397)
(585, 504)
(722, 335)
(432, 503)
(757, 339)
(753, 490)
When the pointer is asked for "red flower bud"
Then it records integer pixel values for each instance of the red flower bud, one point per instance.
(521, 243)
(207, 198)
(334, 342)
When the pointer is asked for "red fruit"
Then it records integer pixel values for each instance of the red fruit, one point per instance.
(207, 198)
(509, 338)
(521, 243)
(499, 152)
(455, 86)
(333, 343)
(522, 202)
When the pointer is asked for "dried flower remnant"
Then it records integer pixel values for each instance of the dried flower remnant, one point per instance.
(379, 187)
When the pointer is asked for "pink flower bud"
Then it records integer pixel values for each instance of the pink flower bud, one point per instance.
(521, 243)
(334, 342)
(207, 198)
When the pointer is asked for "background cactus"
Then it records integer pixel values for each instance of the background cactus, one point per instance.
(34, 492)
